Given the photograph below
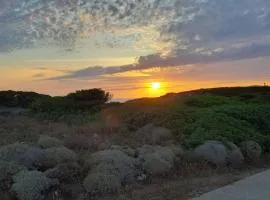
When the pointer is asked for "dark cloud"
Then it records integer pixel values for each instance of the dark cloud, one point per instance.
(252, 50)
(38, 75)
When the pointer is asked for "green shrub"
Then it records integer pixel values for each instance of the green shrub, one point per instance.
(135, 120)
(203, 101)
(18, 98)
(84, 103)
(220, 118)
(91, 97)
(32, 185)
(53, 104)
(256, 114)
(210, 125)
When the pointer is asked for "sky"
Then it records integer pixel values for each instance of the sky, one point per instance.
(59, 46)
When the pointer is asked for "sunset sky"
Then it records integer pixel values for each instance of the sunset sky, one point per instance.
(122, 46)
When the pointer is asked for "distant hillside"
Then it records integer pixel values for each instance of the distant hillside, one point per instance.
(250, 91)
(163, 104)
(228, 91)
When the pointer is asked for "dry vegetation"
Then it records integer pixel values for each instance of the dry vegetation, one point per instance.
(106, 157)
(186, 181)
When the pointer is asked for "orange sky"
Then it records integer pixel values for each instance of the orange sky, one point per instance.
(57, 47)
(136, 84)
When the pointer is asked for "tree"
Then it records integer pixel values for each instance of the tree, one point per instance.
(92, 96)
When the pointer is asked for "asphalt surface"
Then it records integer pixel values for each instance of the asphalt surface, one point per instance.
(256, 187)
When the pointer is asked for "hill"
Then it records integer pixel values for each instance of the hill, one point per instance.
(235, 114)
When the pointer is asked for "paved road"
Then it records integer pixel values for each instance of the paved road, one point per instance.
(256, 187)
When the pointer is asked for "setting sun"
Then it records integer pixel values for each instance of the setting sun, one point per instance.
(155, 85)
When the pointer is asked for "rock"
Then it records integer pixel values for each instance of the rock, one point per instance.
(213, 151)
(101, 184)
(142, 177)
(33, 185)
(251, 150)
(46, 142)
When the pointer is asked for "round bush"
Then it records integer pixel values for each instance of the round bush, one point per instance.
(67, 172)
(220, 153)
(251, 150)
(57, 155)
(101, 184)
(154, 165)
(32, 185)
(33, 158)
(46, 142)
(157, 160)
(13, 152)
(7, 170)
(113, 162)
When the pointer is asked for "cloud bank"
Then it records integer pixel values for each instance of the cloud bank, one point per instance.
(178, 32)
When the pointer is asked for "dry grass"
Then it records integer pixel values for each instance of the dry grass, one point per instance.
(191, 181)
(26, 129)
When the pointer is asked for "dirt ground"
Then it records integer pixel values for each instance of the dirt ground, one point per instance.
(189, 182)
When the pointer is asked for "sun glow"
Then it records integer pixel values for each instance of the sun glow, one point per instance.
(155, 85)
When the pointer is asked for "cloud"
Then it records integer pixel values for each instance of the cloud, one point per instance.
(179, 24)
(38, 75)
(176, 33)
(249, 51)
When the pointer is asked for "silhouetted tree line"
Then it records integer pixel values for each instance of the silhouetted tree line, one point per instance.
(82, 100)
(18, 98)
(79, 101)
